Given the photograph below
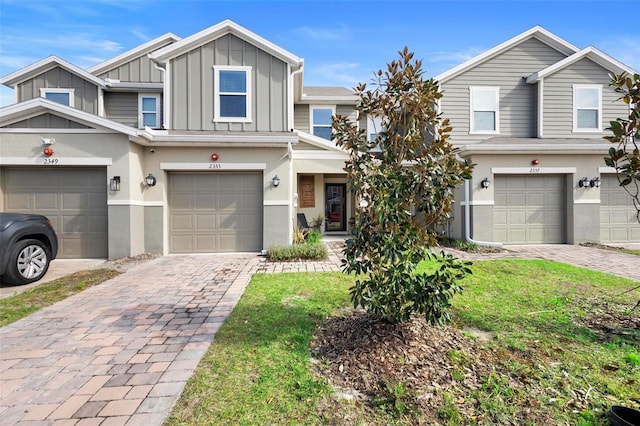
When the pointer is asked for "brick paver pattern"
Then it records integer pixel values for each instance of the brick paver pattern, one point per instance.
(121, 352)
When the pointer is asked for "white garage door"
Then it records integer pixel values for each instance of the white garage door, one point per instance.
(215, 212)
(618, 222)
(529, 209)
(74, 199)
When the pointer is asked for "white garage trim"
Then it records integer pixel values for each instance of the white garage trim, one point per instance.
(135, 203)
(213, 166)
(606, 169)
(276, 202)
(478, 203)
(532, 170)
(587, 201)
(55, 161)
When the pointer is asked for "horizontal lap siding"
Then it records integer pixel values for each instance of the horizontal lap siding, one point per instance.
(122, 107)
(301, 118)
(192, 87)
(558, 99)
(85, 94)
(518, 100)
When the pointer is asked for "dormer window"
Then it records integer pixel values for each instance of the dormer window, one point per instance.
(232, 92)
(149, 111)
(321, 121)
(587, 108)
(485, 111)
(61, 96)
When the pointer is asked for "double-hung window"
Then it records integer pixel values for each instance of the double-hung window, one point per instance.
(62, 96)
(587, 108)
(148, 111)
(232, 94)
(321, 121)
(485, 109)
(374, 126)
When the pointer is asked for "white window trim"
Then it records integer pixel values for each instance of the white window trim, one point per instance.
(140, 112)
(374, 126)
(311, 108)
(217, 93)
(71, 92)
(496, 91)
(576, 129)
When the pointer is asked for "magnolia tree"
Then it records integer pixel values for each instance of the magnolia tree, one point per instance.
(403, 181)
(625, 157)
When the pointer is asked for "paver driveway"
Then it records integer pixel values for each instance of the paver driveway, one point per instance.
(120, 352)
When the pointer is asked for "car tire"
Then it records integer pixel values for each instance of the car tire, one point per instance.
(28, 262)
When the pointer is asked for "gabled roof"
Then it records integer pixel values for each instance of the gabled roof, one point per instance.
(537, 32)
(36, 106)
(30, 71)
(223, 28)
(129, 55)
(590, 52)
(327, 95)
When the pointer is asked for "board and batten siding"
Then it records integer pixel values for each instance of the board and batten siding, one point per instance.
(122, 107)
(558, 100)
(518, 100)
(192, 87)
(47, 121)
(85, 93)
(138, 70)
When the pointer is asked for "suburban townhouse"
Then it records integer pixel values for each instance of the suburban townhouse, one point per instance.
(212, 143)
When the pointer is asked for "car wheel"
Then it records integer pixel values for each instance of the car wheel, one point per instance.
(28, 262)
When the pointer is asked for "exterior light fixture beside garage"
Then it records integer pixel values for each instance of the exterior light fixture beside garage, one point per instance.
(275, 181)
(595, 182)
(150, 180)
(584, 182)
(114, 184)
(485, 183)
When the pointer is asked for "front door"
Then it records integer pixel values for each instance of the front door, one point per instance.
(335, 207)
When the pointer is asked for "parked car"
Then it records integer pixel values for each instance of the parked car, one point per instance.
(28, 244)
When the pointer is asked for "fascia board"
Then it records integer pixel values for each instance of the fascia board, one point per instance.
(125, 57)
(537, 149)
(341, 100)
(317, 141)
(18, 112)
(23, 74)
(538, 32)
(590, 52)
(242, 140)
(217, 31)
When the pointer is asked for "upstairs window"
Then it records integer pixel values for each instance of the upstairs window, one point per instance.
(232, 91)
(374, 126)
(587, 108)
(149, 111)
(61, 96)
(485, 111)
(321, 121)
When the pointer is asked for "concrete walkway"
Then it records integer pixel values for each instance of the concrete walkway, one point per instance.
(121, 352)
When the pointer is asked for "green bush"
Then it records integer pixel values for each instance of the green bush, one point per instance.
(309, 251)
(314, 237)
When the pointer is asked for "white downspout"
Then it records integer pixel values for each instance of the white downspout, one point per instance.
(165, 95)
(290, 232)
(467, 219)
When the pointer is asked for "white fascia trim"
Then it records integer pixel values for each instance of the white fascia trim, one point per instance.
(216, 31)
(61, 161)
(135, 203)
(213, 166)
(537, 149)
(541, 109)
(55, 131)
(319, 142)
(276, 202)
(586, 201)
(125, 57)
(328, 100)
(117, 85)
(606, 170)
(591, 53)
(241, 139)
(540, 33)
(23, 74)
(478, 203)
(530, 170)
(18, 112)
(319, 155)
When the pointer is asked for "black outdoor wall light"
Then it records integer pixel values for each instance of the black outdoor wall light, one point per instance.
(584, 182)
(485, 183)
(595, 182)
(114, 183)
(275, 181)
(150, 180)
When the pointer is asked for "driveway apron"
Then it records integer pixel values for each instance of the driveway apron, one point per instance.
(120, 352)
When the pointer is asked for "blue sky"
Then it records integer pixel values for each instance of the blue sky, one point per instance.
(342, 42)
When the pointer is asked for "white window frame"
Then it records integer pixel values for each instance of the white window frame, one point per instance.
(496, 91)
(141, 112)
(314, 107)
(374, 126)
(217, 93)
(71, 92)
(577, 129)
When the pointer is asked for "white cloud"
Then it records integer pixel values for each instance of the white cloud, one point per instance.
(341, 32)
(443, 60)
(348, 74)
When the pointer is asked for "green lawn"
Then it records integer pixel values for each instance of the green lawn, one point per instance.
(258, 369)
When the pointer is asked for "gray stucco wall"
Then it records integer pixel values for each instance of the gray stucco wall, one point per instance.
(192, 87)
(276, 224)
(518, 114)
(85, 94)
(558, 99)
(153, 229)
(584, 224)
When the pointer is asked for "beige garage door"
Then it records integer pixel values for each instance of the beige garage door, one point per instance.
(618, 222)
(529, 209)
(74, 199)
(215, 212)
